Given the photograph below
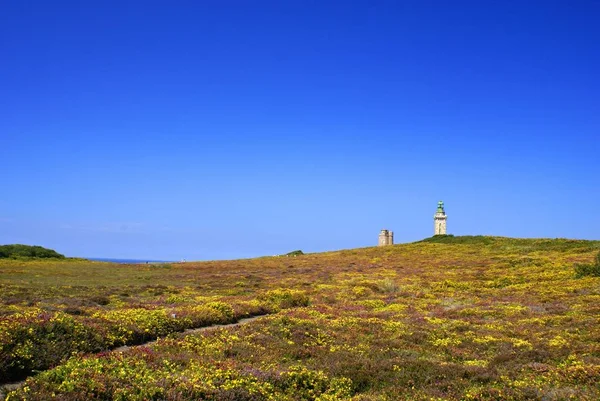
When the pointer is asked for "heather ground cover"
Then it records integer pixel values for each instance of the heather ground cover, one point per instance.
(465, 318)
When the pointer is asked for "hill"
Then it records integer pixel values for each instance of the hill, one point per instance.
(28, 251)
(447, 318)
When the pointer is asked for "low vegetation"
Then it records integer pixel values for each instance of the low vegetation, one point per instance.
(448, 318)
(588, 269)
(18, 251)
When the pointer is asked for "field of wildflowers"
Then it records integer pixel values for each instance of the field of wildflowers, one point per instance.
(449, 318)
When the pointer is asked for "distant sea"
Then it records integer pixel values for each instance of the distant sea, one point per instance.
(129, 261)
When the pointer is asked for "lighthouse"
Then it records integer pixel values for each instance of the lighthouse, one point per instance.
(439, 220)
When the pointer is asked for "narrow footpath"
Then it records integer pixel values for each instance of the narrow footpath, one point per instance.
(5, 388)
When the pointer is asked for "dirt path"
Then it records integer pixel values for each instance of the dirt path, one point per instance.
(192, 331)
(5, 388)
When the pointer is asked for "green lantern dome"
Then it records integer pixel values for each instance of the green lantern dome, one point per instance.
(440, 208)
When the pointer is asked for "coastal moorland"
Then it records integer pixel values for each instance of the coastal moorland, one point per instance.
(446, 318)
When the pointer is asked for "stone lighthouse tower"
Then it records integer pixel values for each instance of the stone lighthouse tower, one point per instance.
(439, 220)
(386, 237)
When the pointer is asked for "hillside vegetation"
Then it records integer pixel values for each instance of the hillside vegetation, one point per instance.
(447, 318)
(17, 251)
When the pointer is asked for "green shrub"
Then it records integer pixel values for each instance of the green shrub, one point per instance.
(388, 286)
(224, 308)
(588, 269)
(16, 251)
(305, 384)
(284, 298)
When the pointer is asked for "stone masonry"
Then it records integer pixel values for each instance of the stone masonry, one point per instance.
(386, 238)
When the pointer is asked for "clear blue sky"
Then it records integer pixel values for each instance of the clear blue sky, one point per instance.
(225, 129)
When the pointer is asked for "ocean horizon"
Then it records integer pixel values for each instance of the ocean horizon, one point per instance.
(129, 261)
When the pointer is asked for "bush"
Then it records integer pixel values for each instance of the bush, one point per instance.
(582, 270)
(17, 251)
(282, 299)
(38, 340)
(224, 308)
(591, 269)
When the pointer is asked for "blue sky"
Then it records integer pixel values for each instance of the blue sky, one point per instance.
(227, 129)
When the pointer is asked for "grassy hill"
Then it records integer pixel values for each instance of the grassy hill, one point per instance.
(458, 318)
